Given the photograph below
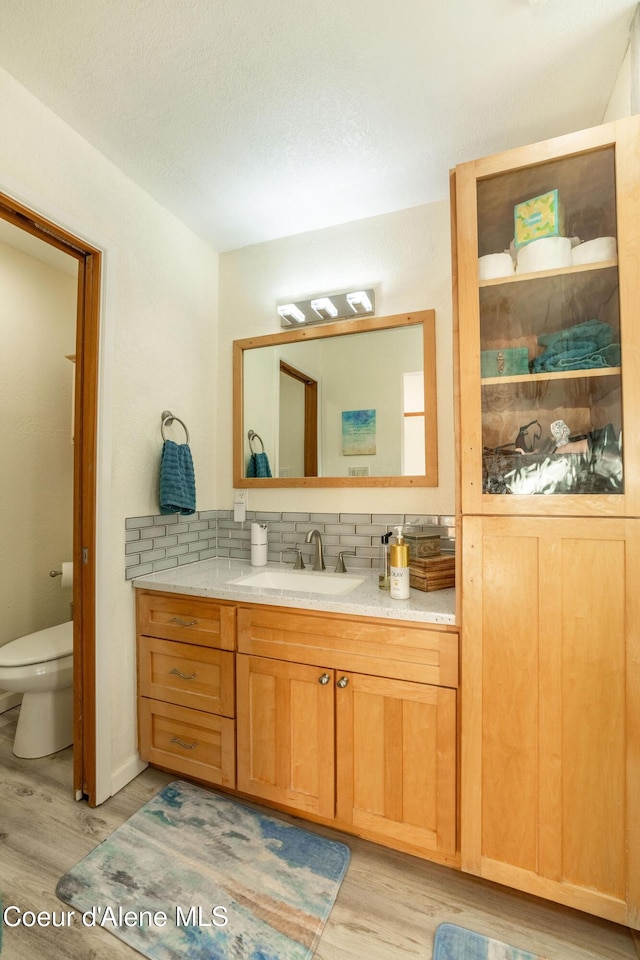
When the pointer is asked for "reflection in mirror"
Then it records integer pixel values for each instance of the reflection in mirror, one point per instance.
(339, 404)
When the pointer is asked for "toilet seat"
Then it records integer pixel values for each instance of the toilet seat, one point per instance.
(52, 643)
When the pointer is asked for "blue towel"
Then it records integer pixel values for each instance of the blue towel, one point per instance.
(258, 465)
(177, 479)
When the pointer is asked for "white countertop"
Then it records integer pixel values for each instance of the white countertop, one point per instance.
(210, 578)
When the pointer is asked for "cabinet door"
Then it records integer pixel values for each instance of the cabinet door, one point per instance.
(285, 733)
(542, 393)
(397, 761)
(550, 709)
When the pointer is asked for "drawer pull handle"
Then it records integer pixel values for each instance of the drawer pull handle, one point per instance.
(181, 743)
(342, 682)
(183, 676)
(183, 623)
(324, 679)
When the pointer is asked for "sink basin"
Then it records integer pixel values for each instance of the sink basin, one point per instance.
(323, 583)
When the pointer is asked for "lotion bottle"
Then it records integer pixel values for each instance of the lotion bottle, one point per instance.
(399, 568)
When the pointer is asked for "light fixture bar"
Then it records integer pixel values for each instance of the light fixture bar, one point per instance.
(335, 306)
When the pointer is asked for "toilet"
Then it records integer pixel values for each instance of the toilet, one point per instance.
(40, 666)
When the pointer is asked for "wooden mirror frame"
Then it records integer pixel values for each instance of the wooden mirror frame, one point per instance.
(426, 318)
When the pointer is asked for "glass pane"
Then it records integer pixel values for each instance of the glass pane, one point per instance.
(550, 361)
(413, 446)
(413, 392)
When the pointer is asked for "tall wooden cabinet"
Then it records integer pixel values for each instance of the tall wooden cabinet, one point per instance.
(548, 400)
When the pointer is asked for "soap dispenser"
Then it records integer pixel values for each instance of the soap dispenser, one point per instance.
(399, 567)
(383, 569)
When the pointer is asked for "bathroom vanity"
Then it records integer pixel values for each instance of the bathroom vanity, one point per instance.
(340, 708)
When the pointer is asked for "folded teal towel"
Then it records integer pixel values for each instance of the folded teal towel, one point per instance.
(177, 479)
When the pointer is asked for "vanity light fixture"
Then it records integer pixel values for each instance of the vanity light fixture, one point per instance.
(336, 306)
(359, 302)
(325, 308)
(290, 313)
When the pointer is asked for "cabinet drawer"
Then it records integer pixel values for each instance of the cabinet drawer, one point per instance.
(198, 677)
(210, 623)
(198, 744)
(405, 651)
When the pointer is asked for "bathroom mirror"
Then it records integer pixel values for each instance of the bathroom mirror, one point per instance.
(348, 404)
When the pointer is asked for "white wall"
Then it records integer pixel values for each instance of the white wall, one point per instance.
(158, 349)
(625, 96)
(405, 256)
(37, 330)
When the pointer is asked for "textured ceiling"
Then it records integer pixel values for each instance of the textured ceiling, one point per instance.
(255, 119)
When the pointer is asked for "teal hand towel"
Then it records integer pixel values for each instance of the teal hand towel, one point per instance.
(258, 465)
(177, 479)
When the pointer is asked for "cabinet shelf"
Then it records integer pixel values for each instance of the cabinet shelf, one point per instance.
(542, 274)
(540, 377)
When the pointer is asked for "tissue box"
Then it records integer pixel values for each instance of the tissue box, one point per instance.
(509, 362)
(541, 216)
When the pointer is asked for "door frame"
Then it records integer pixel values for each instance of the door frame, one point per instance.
(310, 416)
(89, 260)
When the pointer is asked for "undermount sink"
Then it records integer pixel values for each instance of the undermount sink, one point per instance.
(297, 580)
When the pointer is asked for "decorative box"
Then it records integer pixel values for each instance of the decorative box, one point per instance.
(541, 216)
(432, 573)
(504, 363)
(423, 543)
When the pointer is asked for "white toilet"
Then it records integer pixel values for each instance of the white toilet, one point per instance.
(40, 666)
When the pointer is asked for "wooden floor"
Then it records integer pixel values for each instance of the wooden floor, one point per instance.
(388, 907)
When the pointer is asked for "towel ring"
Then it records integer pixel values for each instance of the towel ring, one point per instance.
(254, 436)
(167, 420)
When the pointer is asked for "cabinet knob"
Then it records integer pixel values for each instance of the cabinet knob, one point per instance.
(324, 679)
(342, 682)
(183, 623)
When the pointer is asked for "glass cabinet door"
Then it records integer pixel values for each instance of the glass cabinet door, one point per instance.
(540, 329)
(550, 331)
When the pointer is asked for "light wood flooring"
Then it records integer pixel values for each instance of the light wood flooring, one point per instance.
(388, 907)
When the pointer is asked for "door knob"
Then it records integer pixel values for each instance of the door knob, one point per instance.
(342, 682)
(324, 679)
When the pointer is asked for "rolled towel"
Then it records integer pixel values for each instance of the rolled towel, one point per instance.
(177, 479)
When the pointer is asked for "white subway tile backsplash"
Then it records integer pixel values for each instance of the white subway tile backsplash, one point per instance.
(160, 542)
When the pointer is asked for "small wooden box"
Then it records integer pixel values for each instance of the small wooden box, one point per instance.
(432, 573)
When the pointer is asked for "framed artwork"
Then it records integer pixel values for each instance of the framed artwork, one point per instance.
(358, 432)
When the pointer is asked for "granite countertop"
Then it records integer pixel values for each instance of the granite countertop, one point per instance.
(210, 578)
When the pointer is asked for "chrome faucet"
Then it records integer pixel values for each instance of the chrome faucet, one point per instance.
(318, 562)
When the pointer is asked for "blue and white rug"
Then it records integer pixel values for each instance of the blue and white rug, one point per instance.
(196, 876)
(458, 943)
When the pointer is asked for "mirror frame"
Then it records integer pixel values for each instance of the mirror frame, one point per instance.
(426, 318)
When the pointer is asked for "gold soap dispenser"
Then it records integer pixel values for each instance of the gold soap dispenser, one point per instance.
(399, 567)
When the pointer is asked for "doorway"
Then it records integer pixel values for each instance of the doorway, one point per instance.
(84, 482)
(298, 429)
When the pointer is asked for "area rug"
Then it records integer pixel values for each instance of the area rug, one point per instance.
(197, 876)
(456, 943)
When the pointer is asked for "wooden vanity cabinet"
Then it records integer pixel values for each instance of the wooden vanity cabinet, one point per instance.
(186, 685)
(347, 720)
